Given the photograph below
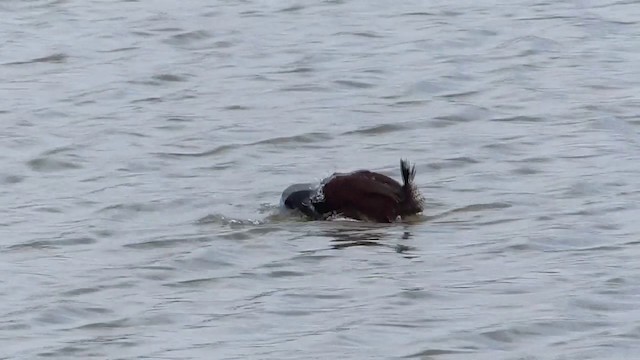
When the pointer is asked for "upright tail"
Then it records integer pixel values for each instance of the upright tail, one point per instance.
(413, 201)
(408, 173)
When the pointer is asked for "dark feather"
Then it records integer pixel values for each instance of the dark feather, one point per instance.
(364, 195)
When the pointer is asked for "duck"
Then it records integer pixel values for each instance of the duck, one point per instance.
(359, 195)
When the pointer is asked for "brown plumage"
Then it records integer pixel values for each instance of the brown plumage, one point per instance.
(360, 195)
(367, 195)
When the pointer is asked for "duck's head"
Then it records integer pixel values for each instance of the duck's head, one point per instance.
(298, 197)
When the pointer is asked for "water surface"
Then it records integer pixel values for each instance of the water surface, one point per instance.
(145, 145)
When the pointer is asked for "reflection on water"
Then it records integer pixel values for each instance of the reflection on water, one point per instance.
(347, 236)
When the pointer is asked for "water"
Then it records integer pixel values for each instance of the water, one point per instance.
(144, 147)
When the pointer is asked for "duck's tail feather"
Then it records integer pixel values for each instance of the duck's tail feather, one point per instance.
(408, 172)
(414, 201)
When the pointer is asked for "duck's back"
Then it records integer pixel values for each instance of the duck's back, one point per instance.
(363, 195)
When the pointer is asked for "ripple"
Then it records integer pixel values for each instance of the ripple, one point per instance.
(417, 13)
(525, 170)
(403, 103)
(311, 258)
(473, 208)
(224, 220)
(247, 233)
(236, 107)
(285, 274)
(194, 283)
(169, 78)
(168, 29)
(505, 221)
(81, 291)
(120, 49)
(151, 99)
(223, 44)
(376, 130)
(364, 34)
(457, 118)
(292, 8)
(428, 353)
(488, 206)
(13, 326)
(460, 94)
(297, 70)
(354, 84)
(188, 37)
(603, 305)
(56, 58)
(52, 244)
(308, 138)
(305, 296)
(129, 207)
(518, 119)
(453, 163)
(12, 179)
(166, 243)
(106, 325)
(252, 13)
(69, 312)
(416, 294)
(179, 119)
(47, 164)
(215, 151)
(305, 88)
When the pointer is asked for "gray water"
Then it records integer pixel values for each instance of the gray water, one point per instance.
(144, 146)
